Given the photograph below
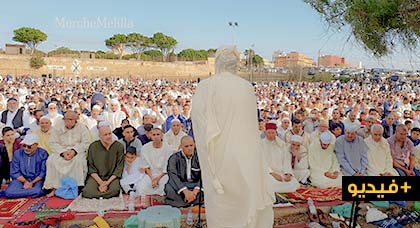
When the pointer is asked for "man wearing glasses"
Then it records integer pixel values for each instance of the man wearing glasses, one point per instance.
(28, 170)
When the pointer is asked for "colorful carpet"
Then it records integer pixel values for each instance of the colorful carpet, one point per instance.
(317, 194)
(9, 207)
(81, 204)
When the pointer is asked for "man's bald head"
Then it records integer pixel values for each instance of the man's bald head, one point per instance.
(105, 134)
(187, 145)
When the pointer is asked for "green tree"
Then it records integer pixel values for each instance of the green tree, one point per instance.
(257, 60)
(249, 54)
(192, 55)
(64, 51)
(31, 37)
(138, 43)
(117, 43)
(377, 24)
(152, 55)
(211, 52)
(164, 43)
(36, 62)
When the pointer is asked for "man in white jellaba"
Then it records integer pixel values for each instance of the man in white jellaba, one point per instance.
(235, 177)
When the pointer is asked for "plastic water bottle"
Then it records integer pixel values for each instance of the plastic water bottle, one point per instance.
(190, 217)
(311, 205)
(101, 210)
(131, 201)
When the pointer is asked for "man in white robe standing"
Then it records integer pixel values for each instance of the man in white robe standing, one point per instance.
(235, 178)
(380, 161)
(69, 141)
(278, 161)
(173, 137)
(323, 163)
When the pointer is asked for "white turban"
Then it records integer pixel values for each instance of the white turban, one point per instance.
(296, 138)
(96, 107)
(351, 127)
(326, 138)
(175, 120)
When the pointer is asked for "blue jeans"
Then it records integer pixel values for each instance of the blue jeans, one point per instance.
(402, 173)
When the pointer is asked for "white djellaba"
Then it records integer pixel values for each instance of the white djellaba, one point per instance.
(235, 178)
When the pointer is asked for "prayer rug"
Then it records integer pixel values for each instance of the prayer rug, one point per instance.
(9, 207)
(81, 204)
(317, 194)
(52, 206)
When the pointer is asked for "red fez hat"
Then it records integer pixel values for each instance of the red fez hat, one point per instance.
(271, 126)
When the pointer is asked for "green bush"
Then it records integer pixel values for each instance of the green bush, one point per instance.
(36, 62)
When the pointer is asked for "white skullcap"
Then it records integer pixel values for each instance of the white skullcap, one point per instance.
(351, 127)
(31, 104)
(285, 118)
(326, 138)
(175, 120)
(114, 101)
(296, 138)
(45, 118)
(104, 124)
(52, 104)
(96, 107)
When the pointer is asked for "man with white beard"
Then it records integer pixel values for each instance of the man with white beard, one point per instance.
(379, 154)
(278, 161)
(53, 113)
(173, 137)
(115, 116)
(69, 141)
(234, 173)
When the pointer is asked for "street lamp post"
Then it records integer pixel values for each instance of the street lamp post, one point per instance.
(233, 25)
(251, 54)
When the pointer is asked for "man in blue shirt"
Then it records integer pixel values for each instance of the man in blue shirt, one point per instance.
(28, 170)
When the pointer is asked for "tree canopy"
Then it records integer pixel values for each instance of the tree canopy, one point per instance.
(192, 55)
(65, 51)
(379, 25)
(117, 43)
(31, 37)
(138, 43)
(164, 43)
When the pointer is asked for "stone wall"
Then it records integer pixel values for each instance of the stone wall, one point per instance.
(60, 66)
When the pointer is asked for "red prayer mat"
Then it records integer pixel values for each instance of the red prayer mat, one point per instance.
(9, 207)
(317, 194)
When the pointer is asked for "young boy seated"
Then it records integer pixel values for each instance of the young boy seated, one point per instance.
(415, 138)
(131, 174)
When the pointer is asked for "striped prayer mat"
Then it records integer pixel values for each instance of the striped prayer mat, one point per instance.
(317, 194)
(9, 207)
